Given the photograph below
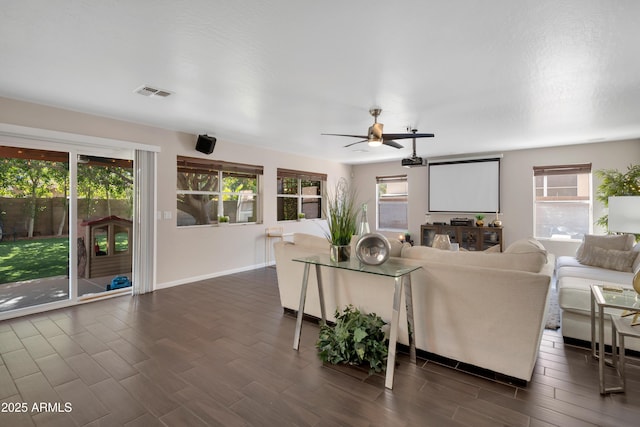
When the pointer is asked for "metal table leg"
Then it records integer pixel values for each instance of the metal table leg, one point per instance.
(617, 360)
(593, 326)
(323, 312)
(393, 334)
(601, 348)
(621, 364)
(303, 298)
(408, 300)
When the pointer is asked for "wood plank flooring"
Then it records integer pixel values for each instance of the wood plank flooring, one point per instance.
(219, 353)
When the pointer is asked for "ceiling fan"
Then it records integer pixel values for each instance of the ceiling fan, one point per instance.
(375, 137)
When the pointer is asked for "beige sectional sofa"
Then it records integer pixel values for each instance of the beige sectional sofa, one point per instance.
(605, 260)
(485, 310)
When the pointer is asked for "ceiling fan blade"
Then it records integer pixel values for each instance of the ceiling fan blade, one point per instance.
(406, 135)
(339, 134)
(354, 143)
(391, 143)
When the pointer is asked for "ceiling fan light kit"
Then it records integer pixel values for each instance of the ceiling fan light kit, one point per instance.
(376, 138)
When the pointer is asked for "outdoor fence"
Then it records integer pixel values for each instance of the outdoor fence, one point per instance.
(50, 213)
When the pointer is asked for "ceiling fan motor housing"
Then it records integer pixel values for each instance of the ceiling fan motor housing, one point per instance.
(375, 131)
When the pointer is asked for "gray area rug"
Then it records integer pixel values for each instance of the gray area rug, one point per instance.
(553, 317)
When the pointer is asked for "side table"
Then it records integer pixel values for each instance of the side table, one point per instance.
(397, 269)
(603, 297)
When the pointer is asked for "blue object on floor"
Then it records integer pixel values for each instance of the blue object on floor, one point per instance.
(119, 282)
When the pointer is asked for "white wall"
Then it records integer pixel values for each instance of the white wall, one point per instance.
(516, 185)
(188, 253)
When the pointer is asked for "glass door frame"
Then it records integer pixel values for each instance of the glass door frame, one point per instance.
(73, 144)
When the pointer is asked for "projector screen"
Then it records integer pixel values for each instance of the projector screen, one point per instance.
(466, 186)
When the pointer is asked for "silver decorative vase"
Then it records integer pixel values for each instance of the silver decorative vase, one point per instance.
(373, 249)
(340, 253)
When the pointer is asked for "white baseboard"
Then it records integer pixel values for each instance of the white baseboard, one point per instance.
(206, 276)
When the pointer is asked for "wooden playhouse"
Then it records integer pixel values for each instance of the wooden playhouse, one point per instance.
(109, 241)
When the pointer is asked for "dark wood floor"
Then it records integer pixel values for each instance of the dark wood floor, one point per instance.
(218, 352)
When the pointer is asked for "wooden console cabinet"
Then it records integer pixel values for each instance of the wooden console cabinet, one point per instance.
(468, 237)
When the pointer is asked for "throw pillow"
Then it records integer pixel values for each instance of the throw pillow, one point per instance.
(527, 246)
(396, 247)
(636, 263)
(619, 242)
(611, 259)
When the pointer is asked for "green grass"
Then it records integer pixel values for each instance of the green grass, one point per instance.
(37, 258)
(33, 259)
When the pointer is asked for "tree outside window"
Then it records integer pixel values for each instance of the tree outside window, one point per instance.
(299, 192)
(209, 189)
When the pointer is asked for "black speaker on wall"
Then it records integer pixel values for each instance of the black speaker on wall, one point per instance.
(205, 144)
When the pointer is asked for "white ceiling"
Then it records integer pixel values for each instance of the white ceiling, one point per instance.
(490, 75)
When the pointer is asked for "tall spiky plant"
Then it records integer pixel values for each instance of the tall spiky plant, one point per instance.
(341, 214)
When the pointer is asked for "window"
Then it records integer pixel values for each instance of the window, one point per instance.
(562, 201)
(299, 192)
(392, 202)
(210, 189)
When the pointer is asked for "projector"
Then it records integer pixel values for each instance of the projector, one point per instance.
(412, 162)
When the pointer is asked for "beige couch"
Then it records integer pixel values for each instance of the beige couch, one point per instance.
(486, 310)
(594, 263)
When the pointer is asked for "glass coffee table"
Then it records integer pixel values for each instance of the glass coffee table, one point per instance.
(613, 297)
(396, 269)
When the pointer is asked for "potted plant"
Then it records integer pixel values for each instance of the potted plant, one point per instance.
(341, 216)
(616, 183)
(301, 216)
(356, 338)
(479, 220)
(223, 220)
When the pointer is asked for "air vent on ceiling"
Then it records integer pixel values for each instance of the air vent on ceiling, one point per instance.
(152, 91)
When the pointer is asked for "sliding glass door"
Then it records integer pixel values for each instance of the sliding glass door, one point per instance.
(105, 224)
(40, 190)
(34, 216)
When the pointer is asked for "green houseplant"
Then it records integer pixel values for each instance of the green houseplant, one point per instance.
(356, 339)
(341, 213)
(616, 183)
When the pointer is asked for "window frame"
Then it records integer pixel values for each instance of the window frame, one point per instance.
(221, 170)
(299, 196)
(545, 198)
(386, 180)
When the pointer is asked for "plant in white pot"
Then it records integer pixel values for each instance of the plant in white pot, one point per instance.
(341, 216)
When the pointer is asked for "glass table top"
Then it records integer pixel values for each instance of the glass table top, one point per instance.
(626, 298)
(391, 267)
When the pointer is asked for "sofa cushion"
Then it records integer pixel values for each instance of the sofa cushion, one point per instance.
(531, 262)
(595, 274)
(610, 259)
(311, 241)
(619, 242)
(574, 293)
